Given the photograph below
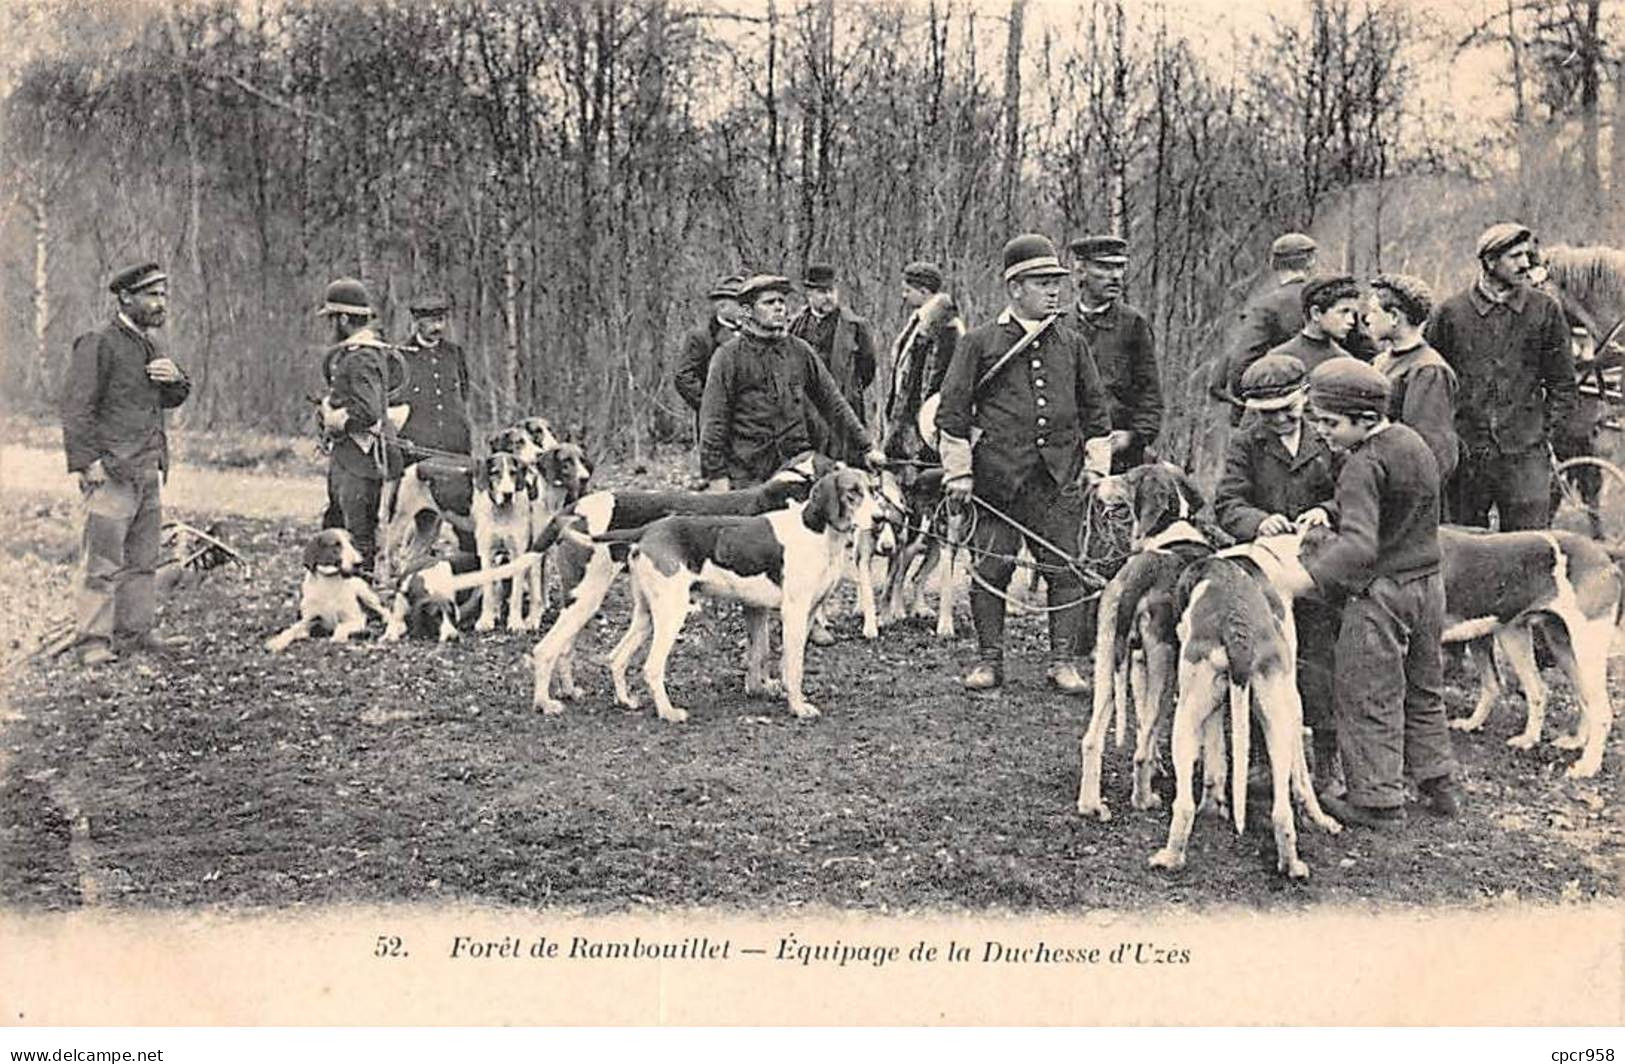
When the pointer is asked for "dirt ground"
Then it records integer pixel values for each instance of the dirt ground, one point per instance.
(224, 777)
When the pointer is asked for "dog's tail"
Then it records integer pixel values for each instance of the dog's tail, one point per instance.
(562, 525)
(1241, 736)
(621, 535)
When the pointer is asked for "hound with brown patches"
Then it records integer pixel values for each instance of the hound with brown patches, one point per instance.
(331, 595)
(588, 566)
(501, 513)
(1238, 646)
(1501, 584)
(788, 561)
(1136, 637)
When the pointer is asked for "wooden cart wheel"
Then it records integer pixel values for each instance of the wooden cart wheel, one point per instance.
(1590, 499)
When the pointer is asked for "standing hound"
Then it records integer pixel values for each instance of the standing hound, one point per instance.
(559, 479)
(925, 528)
(1136, 637)
(1237, 638)
(501, 534)
(331, 595)
(588, 567)
(1500, 584)
(788, 560)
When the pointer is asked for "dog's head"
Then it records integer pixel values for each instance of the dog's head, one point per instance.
(564, 472)
(540, 431)
(500, 476)
(1158, 494)
(840, 501)
(516, 441)
(331, 552)
(808, 465)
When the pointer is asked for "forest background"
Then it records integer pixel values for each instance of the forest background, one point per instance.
(576, 172)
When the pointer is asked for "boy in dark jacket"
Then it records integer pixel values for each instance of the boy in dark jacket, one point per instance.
(1279, 475)
(1385, 559)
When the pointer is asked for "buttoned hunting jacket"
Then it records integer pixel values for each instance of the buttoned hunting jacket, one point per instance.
(437, 384)
(1035, 414)
(111, 409)
(1125, 353)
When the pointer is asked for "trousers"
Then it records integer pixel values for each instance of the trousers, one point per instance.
(1519, 486)
(122, 536)
(1042, 506)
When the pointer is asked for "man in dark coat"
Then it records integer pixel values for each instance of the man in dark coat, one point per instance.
(436, 396)
(1024, 418)
(1273, 316)
(356, 416)
(1120, 339)
(1509, 345)
(759, 392)
(117, 387)
(920, 357)
(843, 341)
(701, 342)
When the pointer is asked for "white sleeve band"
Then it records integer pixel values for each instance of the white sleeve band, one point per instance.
(956, 459)
(1097, 455)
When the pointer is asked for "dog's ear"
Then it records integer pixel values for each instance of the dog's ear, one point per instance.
(316, 550)
(1193, 494)
(823, 505)
(482, 472)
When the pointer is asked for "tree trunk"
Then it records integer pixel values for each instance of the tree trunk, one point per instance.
(1589, 54)
(1012, 110)
(1616, 168)
(513, 381)
(1520, 113)
(41, 294)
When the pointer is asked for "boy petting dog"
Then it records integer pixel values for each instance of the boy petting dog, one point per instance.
(1384, 557)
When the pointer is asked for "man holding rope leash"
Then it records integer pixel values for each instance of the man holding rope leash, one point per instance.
(1024, 422)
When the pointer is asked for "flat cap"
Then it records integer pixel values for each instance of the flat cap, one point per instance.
(1500, 236)
(135, 278)
(924, 275)
(1345, 385)
(1111, 250)
(727, 287)
(1273, 382)
(1032, 255)
(346, 296)
(430, 303)
(1293, 244)
(761, 284)
(819, 275)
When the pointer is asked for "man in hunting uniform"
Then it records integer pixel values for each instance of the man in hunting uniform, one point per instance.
(1024, 420)
(1120, 339)
(118, 385)
(843, 341)
(436, 396)
(920, 358)
(759, 392)
(355, 416)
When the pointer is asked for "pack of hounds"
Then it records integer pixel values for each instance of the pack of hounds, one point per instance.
(1190, 621)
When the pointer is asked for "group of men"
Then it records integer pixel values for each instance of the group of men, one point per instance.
(1460, 402)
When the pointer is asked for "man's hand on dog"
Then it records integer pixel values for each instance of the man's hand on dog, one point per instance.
(333, 417)
(1275, 525)
(717, 485)
(959, 489)
(1312, 518)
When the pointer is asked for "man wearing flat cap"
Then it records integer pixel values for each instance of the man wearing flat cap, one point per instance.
(1120, 339)
(701, 343)
(1273, 317)
(436, 397)
(356, 415)
(1024, 420)
(761, 387)
(920, 357)
(118, 385)
(1509, 345)
(843, 341)
(1280, 475)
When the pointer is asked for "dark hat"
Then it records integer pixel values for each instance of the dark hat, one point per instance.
(925, 275)
(430, 303)
(1032, 255)
(135, 278)
(1273, 382)
(1500, 236)
(819, 275)
(727, 287)
(1293, 244)
(761, 284)
(1111, 250)
(1345, 385)
(346, 296)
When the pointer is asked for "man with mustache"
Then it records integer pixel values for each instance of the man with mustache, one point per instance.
(1120, 339)
(118, 385)
(1509, 345)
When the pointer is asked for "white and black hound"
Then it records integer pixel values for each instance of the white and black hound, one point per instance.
(331, 595)
(788, 561)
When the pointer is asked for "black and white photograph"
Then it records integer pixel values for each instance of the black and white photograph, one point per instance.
(751, 488)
